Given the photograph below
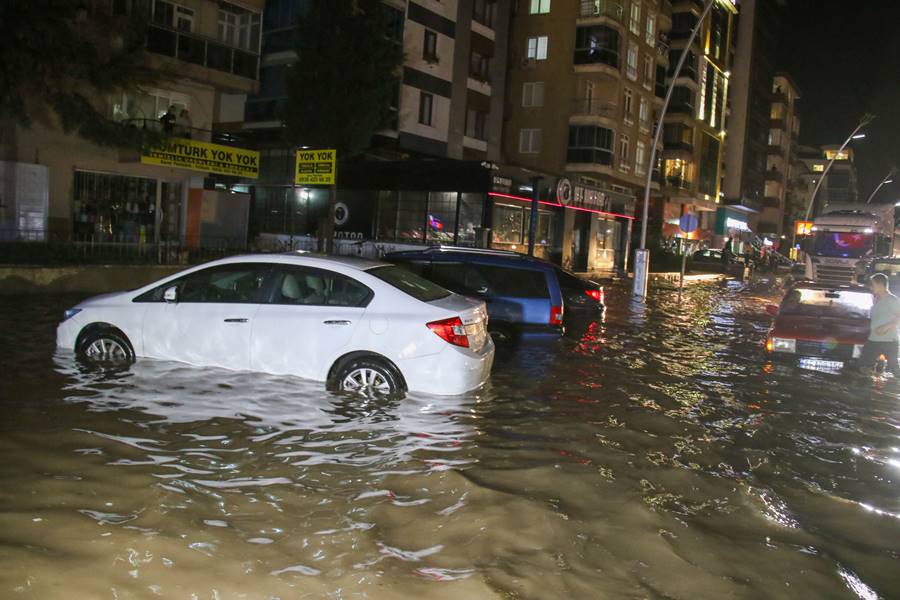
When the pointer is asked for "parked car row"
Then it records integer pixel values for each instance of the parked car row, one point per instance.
(358, 325)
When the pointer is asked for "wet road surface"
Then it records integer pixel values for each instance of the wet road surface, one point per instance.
(651, 454)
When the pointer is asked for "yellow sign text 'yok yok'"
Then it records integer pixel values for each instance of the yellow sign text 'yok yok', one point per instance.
(202, 156)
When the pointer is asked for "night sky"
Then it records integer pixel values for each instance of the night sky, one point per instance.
(845, 56)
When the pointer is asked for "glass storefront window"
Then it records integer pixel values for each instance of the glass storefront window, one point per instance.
(411, 216)
(116, 208)
(441, 224)
(471, 209)
(387, 215)
(509, 223)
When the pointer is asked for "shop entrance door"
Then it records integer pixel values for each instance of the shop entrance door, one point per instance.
(581, 241)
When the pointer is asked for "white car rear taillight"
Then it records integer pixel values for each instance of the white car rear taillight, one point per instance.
(451, 330)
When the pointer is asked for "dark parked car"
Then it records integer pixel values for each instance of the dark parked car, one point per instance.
(708, 260)
(522, 294)
(820, 326)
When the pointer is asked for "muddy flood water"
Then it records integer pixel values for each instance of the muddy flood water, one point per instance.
(650, 454)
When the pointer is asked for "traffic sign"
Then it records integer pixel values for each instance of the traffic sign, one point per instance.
(688, 222)
(315, 167)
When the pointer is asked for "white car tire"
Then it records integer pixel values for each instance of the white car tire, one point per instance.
(369, 376)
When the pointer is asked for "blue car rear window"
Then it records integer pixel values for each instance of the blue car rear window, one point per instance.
(490, 280)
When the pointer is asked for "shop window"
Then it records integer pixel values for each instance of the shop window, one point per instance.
(509, 223)
(471, 210)
(118, 208)
(441, 223)
(411, 216)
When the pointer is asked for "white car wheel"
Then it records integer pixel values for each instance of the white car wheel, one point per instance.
(106, 347)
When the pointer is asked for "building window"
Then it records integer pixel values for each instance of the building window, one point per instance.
(634, 22)
(238, 28)
(539, 7)
(590, 144)
(150, 104)
(426, 106)
(624, 163)
(648, 72)
(483, 11)
(440, 223)
(533, 93)
(529, 141)
(429, 47)
(644, 114)
(476, 124)
(172, 15)
(650, 33)
(537, 47)
(480, 67)
(640, 158)
(632, 65)
(628, 106)
(509, 224)
(598, 44)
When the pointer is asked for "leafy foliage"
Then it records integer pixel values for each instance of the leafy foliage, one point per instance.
(62, 59)
(341, 86)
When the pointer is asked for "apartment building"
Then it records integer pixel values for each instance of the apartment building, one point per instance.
(782, 165)
(585, 82)
(424, 179)
(692, 161)
(206, 53)
(748, 176)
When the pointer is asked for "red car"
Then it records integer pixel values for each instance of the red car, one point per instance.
(820, 326)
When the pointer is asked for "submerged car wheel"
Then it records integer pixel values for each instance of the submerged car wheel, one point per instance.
(106, 346)
(368, 376)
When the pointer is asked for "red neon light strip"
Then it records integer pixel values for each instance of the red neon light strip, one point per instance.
(556, 204)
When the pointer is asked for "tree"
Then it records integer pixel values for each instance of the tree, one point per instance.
(62, 59)
(341, 87)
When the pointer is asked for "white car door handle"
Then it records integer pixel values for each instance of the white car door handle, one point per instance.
(235, 320)
(337, 322)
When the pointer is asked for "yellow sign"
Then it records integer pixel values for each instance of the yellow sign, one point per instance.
(202, 156)
(803, 227)
(315, 167)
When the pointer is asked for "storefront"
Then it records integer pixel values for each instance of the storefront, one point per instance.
(733, 225)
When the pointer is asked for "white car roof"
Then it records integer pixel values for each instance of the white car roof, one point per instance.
(302, 258)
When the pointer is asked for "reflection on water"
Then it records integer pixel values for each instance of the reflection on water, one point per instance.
(650, 454)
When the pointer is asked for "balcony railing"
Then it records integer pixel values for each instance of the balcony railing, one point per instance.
(779, 96)
(595, 108)
(202, 51)
(602, 8)
(593, 56)
(774, 175)
(176, 130)
(778, 123)
(771, 202)
(677, 146)
(681, 183)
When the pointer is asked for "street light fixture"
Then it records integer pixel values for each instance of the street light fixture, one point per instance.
(642, 255)
(867, 118)
(887, 179)
(858, 136)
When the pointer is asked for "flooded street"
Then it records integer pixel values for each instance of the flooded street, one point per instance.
(651, 454)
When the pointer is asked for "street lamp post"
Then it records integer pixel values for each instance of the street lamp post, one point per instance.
(642, 255)
(887, 179)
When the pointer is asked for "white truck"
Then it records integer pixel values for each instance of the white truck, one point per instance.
(846, 234)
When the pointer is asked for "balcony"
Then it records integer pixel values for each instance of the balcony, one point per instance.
(681, 183)
(592, 107)
(778, 123)
(780, 97)
(774, 149)
(597, 59)
(203, 52)
(775, 175)
(678, 147)
(771, 202)
(601, 9)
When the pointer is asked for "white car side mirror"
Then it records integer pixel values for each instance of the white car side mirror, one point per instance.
(171, 294)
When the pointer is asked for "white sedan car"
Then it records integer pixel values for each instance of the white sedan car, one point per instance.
(357, 325)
